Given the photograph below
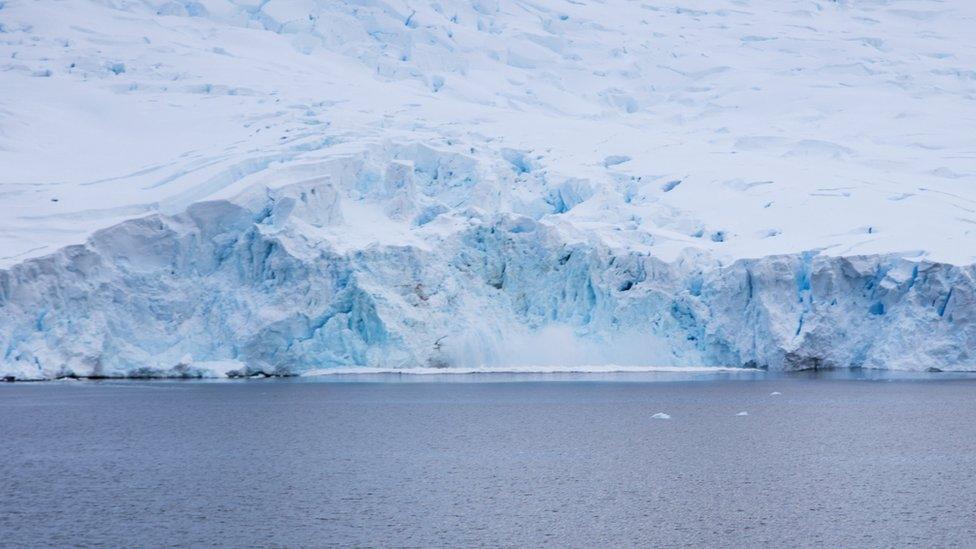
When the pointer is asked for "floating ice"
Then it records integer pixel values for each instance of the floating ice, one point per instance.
(661, 415)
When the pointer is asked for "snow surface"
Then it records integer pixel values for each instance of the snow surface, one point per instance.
(319, 184)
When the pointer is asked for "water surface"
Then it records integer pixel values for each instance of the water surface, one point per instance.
(850, 460)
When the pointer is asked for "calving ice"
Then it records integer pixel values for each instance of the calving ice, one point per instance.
(235, 188)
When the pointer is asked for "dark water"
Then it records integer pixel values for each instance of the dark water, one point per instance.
(542, 461)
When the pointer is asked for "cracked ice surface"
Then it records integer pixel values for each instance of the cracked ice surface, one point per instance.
(197, 188)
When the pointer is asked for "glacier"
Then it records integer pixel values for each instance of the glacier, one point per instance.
(236, 188)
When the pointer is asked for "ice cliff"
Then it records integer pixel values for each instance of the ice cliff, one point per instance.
(247, 286)
(227, 188)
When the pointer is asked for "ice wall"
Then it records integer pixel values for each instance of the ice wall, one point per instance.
(248, 286)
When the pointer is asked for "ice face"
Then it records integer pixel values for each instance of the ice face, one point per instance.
(231, 187)
(256, 286)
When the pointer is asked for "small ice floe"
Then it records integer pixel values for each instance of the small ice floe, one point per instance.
(661, 415)
(775, 393)
(742, 414)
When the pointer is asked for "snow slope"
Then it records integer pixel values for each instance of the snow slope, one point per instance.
(201, 187)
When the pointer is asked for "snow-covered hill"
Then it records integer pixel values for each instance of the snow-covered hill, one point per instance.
(285, 185)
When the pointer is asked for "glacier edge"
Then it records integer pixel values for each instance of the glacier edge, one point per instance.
(240, 288)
